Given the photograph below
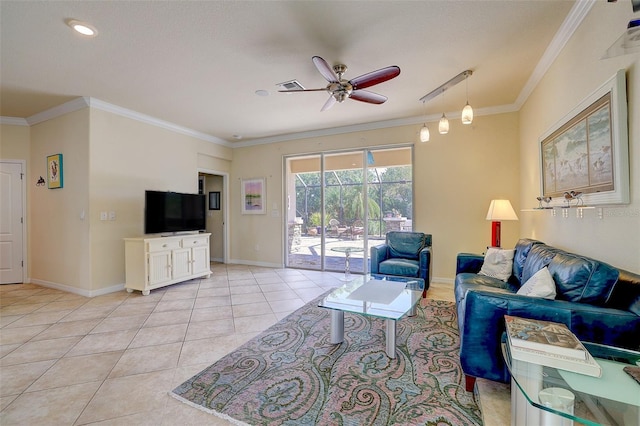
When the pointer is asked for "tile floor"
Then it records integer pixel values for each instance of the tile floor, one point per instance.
(111, 360)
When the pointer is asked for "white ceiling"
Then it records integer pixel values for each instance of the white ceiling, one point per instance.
(198, 64)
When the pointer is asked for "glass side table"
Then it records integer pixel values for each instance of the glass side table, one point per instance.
(543, 395)
(347, 257)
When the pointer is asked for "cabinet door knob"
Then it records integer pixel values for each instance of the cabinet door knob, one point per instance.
(164, 245)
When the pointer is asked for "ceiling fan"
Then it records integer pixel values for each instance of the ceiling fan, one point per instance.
(341, 89)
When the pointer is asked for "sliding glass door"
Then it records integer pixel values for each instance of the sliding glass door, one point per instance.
(341, 202)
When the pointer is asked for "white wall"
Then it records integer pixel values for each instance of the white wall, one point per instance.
(58, 236)
(109, 160)
(576, 73)
(456, 176)
(127, 158)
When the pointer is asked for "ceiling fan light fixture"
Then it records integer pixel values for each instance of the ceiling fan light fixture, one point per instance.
(424, 133)
(83, 28)
(341, 89)
(467, 114)
(443, 125)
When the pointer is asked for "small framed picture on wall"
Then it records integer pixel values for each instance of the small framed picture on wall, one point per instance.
(253, 196)
(214, 200)
(55, 175)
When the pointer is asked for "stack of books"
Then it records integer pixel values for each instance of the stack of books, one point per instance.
(550, 344)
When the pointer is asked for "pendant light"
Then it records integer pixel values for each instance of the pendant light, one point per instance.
(424, 131)
(443, 125)
(467, 111)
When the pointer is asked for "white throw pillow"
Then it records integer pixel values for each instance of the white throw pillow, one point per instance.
(541, 284)
(498, 263)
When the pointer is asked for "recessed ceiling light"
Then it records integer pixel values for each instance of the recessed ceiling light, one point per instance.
(237, 137)
(83, 28)
(262, 92)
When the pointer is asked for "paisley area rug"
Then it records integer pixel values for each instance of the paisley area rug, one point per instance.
(291, 375)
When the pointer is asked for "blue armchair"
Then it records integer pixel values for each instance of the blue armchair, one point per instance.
(405, 254)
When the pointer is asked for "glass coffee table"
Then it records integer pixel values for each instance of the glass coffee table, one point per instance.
(380, 296)
(550, 396)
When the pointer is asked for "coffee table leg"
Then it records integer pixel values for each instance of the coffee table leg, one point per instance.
(391, 338)
(337, 326)
(413, 311)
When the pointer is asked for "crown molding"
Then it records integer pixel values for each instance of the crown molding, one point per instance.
(144, 118)
(14, 121)
(65, 108)
(84, 102)
(573, 20)
(377, 125)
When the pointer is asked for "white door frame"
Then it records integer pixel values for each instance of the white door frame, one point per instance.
(23, 166)
(225, 209)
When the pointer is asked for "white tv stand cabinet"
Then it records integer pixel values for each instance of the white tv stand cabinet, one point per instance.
(154, 262)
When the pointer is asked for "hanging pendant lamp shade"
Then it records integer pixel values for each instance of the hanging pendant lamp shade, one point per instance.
(443, 125)
(424, 133)
(467, 111)
(467, 114)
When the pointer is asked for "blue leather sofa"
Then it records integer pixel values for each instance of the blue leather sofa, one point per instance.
(598, 302)
(405, 254)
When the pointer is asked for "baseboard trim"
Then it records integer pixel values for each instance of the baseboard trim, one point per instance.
(79, 291)
(254, 263)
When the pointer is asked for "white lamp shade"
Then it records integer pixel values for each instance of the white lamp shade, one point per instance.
(424, 134)
(501, 210)
(443, 125)
(467, 114)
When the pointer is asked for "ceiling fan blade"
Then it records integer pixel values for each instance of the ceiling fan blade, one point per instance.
(330, 102)
(375, 77)
(369, 97)
(324, 68)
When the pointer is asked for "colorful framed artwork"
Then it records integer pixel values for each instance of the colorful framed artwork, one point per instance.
(587, 152)
(253, 193)
(55, 175)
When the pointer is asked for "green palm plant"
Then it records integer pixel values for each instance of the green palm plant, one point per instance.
(355, 209)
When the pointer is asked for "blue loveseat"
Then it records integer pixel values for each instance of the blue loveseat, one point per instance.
(598, 302)
(405, 254)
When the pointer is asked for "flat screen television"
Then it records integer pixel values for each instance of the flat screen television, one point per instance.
(172, 212)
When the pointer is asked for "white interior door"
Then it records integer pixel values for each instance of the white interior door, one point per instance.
(11, 223)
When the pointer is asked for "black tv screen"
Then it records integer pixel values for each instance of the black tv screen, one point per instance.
(168, 212)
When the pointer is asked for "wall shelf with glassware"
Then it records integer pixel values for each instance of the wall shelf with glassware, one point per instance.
(565, 210)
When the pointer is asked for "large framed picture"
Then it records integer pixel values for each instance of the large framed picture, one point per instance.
(587, 152)
(55, 176)
(253, 195)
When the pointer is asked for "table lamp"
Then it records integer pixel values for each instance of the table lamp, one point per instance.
(499, 210)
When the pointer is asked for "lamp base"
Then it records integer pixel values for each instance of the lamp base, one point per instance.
(495, 234)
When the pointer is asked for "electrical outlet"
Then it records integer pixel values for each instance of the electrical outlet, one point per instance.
(112, 215)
